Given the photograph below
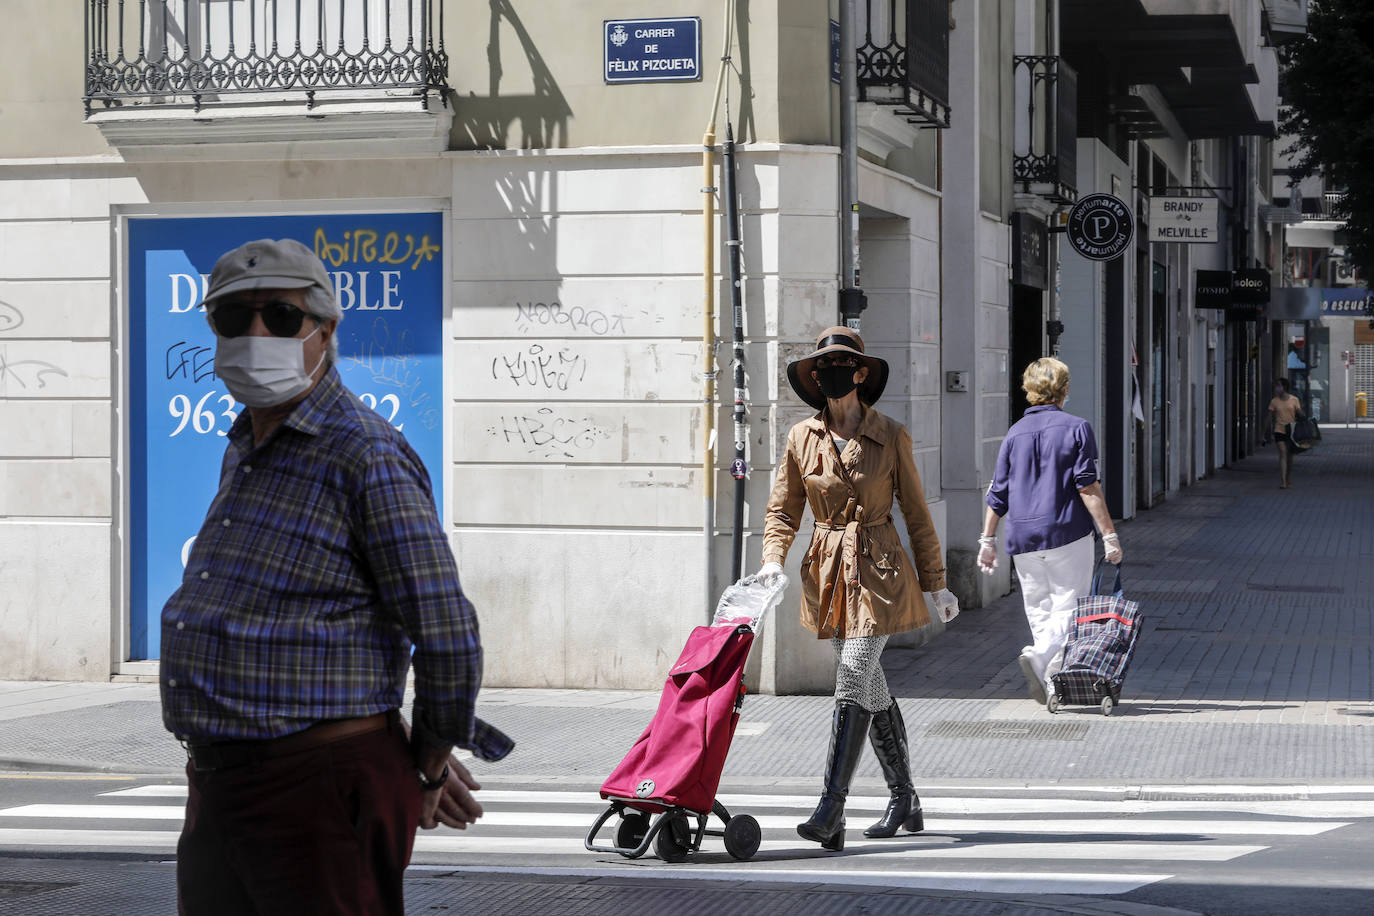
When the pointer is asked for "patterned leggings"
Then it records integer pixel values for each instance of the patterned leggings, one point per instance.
(859, 674)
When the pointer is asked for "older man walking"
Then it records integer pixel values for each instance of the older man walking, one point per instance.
(320, 565)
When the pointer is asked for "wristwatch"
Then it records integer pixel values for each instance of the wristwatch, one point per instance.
(428, 785)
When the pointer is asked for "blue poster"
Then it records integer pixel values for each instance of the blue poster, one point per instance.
(1354, 301)
(387, 270)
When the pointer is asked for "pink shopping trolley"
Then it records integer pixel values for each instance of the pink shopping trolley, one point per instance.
(664, 791)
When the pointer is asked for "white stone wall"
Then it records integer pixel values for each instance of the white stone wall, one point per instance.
(56, 481)
(576, 498)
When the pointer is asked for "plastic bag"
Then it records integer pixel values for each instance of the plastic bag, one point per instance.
(749, 600)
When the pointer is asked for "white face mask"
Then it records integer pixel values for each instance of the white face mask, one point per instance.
(264, 371)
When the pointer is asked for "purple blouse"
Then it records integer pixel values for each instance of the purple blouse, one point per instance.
(1046, 458)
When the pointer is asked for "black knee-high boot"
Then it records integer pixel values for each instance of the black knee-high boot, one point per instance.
(888, 736)
(826, 825)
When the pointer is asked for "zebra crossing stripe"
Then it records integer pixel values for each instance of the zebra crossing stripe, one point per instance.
(952, 826)
(998, 882)
(1284, 805)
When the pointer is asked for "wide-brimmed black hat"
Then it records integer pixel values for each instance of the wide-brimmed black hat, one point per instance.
(832, 342)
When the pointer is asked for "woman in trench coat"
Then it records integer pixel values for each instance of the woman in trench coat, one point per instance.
(850, 463)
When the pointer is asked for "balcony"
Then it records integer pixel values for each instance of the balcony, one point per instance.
(903, 60)
(1200, 54)
(1045, 158)
(170, 72)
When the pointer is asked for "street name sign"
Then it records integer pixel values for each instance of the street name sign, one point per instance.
(1183, 220)
(652, 50)
(1100, 226)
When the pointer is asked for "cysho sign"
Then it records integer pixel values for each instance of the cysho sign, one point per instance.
(1212, 290)
(1185, 220)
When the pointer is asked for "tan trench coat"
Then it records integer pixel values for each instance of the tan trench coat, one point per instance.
(856, 578)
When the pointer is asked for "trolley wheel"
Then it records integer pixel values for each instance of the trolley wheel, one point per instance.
(1052, 703)
(672, 842)
(742, 837)
(630, 833)
(1107, 704)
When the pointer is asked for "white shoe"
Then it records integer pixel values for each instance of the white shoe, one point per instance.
(1034, 685)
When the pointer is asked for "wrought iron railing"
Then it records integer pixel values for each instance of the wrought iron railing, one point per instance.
(199, 52)
(904, 57)
(1045, 157)
(1333, 205)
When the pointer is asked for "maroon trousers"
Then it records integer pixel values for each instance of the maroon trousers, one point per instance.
(327, 830)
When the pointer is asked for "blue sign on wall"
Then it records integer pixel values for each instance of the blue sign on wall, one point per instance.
(387, 270)
(652, 50)
(1348, 301)
(835, 72)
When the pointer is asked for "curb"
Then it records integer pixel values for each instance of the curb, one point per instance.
(76, 765)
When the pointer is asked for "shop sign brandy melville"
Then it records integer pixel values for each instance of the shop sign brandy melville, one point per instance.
(1100, 226)
(1184, 220)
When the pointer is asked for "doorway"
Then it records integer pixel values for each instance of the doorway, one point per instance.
(1027, 341)
(1159, 317)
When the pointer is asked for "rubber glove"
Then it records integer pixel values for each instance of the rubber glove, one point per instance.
(946, 604)
(768, 571)
(1111, 548)
(987, 555)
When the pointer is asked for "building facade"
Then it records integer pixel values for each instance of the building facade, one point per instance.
(511, 199)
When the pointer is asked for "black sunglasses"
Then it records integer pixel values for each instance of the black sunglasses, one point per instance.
(280, 317)
(825, 362)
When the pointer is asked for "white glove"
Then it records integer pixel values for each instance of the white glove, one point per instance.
(768, 571)
(987, 555)
(946, 604)
(1111, 548)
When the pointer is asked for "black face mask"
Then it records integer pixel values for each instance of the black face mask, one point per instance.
(836, 381)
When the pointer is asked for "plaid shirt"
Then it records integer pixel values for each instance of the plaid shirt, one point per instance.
(321, 560)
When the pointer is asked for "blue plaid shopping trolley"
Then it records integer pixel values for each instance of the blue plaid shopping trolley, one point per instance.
(1101, 643)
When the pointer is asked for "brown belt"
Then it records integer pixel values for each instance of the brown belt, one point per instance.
(223, 755)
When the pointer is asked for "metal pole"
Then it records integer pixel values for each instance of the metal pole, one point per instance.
(739, 467)
(852, 300)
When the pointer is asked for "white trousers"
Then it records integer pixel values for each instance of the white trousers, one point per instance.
(1051, 583)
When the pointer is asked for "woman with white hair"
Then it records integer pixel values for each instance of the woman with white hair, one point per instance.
(1046, 486)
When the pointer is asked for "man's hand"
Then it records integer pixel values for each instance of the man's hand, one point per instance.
(453, 805)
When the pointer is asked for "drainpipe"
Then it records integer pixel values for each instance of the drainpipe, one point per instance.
(708, 334)
(739, 467)
(852, 299)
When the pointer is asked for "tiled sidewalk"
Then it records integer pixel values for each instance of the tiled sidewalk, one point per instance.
(1258, 603)
(1255, 665)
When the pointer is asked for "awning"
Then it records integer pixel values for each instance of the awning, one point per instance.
(1313, 233)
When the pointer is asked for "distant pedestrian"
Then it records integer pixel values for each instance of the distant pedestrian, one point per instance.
(849, 462)
(1046, 485)
(320, 564)
(1284, 411)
